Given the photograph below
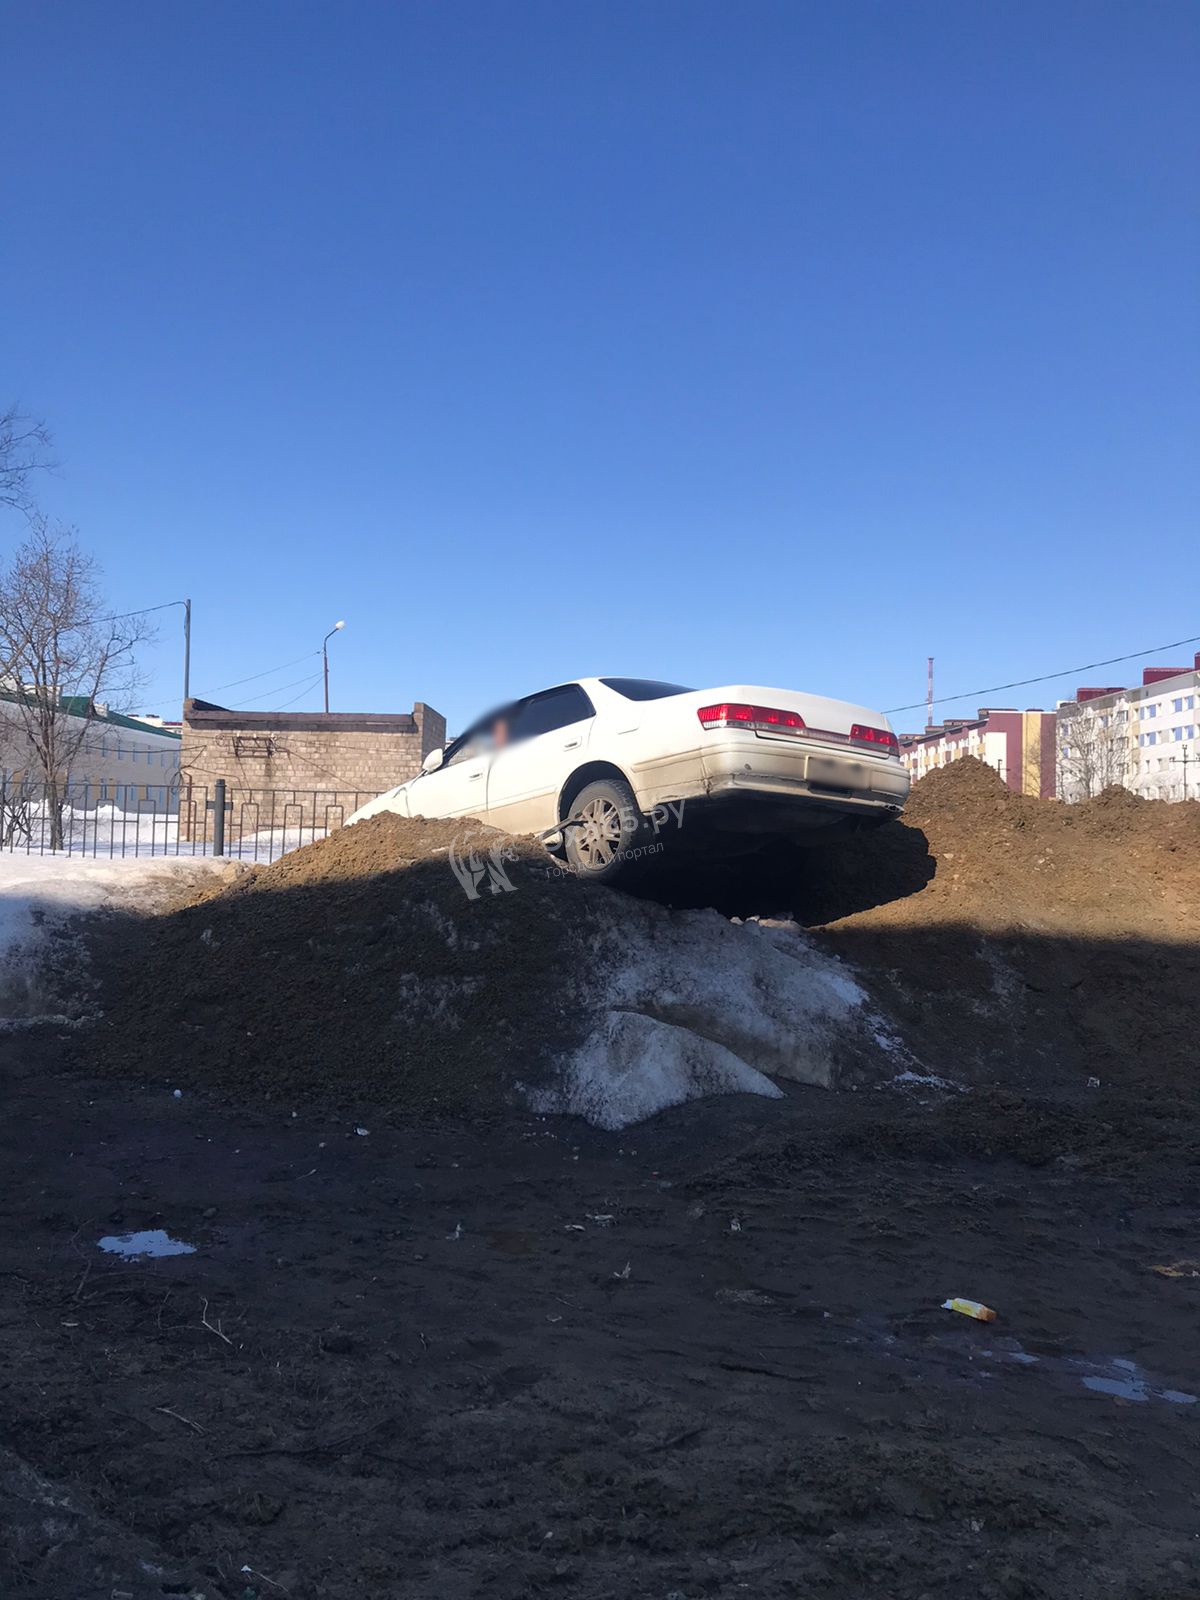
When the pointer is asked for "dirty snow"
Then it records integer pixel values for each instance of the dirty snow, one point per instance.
(39, 894)
(694, 1005)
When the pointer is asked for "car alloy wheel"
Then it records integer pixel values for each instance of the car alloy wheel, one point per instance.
(598, 837)
(604, 830)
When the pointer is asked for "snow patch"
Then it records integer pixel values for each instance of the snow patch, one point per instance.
(694, 1005)
(38, 897)
(924, 1080)
(633, 1066)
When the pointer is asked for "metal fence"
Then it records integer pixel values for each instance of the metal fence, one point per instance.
(99, 820)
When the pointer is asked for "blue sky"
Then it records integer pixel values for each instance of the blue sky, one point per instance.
(782, 343)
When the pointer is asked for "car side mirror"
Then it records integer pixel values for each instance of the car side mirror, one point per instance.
(433, 760)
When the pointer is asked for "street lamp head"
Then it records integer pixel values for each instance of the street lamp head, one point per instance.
(338, 625)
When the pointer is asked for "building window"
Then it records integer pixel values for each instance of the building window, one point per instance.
(1178, 733)
(1177, 705)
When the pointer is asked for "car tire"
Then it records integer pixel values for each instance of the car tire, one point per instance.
(605, 829)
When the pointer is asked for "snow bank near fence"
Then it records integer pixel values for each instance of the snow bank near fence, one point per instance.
(40, 959)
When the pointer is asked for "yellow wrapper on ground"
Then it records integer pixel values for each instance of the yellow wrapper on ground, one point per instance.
(970, 1308)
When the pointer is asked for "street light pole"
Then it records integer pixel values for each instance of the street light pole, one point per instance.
(1183, 761)
(337, 628)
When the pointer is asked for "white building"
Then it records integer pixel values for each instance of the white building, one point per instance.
(121, 761)
(1146, 738)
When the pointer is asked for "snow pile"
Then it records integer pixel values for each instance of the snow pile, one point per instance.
(691, 1005)
(39, 895)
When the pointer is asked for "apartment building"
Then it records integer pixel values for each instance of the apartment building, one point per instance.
(1018, 744)
(1146, 738)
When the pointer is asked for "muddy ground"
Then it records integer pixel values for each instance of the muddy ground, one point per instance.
(409, 1363)
(498, 1355)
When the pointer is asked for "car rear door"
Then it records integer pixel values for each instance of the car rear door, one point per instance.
(547, 740)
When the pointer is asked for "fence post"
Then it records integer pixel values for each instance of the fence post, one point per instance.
(219, 817)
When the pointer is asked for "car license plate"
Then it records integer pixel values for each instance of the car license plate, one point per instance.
(836, 774)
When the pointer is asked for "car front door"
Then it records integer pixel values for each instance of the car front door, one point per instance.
(548, 737)
(458, 788)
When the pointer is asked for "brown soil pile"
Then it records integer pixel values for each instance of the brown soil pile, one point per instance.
(1059, 939)
(1114, 866)
(355, 968)
(1005, 940)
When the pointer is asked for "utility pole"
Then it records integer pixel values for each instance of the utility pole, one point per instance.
(1184, 761)
(929, 693)
(187, 649)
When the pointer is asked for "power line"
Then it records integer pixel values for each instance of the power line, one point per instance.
(120, 616)
(254, 676)
(1046, 677)
(311, 684)
(278, 689)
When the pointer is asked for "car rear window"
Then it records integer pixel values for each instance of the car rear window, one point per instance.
(644, 688)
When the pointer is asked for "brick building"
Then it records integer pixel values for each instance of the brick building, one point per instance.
(1019, 744)
(297, 769)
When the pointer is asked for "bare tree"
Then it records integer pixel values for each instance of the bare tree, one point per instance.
(24, 446)
(60, 660)
(1092, 751)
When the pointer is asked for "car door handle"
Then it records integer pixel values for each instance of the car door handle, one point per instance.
(474, 777)
(572, 744)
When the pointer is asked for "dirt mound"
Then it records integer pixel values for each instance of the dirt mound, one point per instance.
(1112, 867)
(357, 957)
(988, 938)
(1048, 939)
(444, 966)
(966, 785)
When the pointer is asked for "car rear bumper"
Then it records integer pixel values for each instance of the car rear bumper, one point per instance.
(768, 779)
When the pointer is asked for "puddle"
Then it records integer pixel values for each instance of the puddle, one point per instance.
(151, 1242)
(1116, 1376)
(963, 1361)
(1126, 1381)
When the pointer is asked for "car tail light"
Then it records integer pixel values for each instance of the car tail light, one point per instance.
(877, 738)
(759, 719)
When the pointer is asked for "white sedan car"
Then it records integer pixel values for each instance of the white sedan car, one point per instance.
(606, 762)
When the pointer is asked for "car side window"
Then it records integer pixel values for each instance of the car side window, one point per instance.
(480, 738)
(463, 749)
(557, 708)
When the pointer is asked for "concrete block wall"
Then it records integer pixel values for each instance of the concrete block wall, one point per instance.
(303, 770)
